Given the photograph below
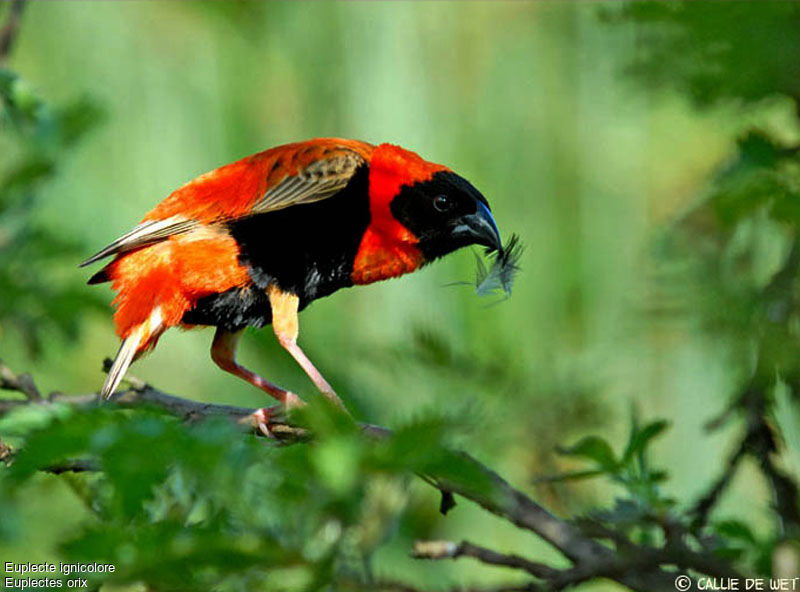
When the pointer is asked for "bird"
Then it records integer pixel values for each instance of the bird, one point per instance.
(254, 242)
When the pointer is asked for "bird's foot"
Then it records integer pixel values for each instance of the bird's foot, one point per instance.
(262, 419)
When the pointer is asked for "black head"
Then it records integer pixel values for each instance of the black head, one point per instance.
(446, 213)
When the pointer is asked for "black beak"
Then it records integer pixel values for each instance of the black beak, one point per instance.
(481, 227)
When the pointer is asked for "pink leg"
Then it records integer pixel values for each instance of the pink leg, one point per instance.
(223, 352)
(315, 375)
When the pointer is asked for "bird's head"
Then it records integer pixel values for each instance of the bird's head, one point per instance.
(446, 213)
(442, 210)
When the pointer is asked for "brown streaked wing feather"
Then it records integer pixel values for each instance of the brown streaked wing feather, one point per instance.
(329, 169)
(146, 233)
(317, 181)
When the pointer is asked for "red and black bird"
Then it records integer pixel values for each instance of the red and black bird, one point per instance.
(256, 241)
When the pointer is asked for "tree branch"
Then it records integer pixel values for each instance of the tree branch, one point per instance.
(636, 567)
(702, 508)
(22, 383)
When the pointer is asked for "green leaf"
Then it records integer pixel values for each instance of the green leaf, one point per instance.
(698, 49)
(337, 463)
(639, 439)
(593, 448)
(28, 418)
(175, 556)
(573, 476)
(77, 119)
(735, 529)
(417, 446)
(787, 420)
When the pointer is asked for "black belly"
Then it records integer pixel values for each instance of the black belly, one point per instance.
(307, 250)
(232, 310)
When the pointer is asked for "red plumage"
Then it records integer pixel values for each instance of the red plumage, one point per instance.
(297, 221)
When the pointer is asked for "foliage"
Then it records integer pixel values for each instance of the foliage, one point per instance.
(36, 138)
(743, 53)
(731, 262)
(206, 505)
(645, 515)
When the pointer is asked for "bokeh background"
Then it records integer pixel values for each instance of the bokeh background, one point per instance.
(532, 102)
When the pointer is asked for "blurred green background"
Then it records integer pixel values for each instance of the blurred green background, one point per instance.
(530, 101)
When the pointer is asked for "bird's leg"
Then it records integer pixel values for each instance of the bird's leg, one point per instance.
(223, 352)
(285, 324)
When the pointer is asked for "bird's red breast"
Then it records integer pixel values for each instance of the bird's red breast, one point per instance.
(388, 249)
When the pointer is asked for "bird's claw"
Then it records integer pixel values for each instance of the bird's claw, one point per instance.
(263, 418)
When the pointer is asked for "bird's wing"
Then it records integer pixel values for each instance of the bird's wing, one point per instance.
(278, 178)
(146, 233)
(316, 181)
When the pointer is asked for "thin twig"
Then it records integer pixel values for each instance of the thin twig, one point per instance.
(9, 32)
(22, 383)
(760, 443)
(597, 530)
(785, 492)
(73, 466)
(513, 505)
(702, 508)
(450, 550)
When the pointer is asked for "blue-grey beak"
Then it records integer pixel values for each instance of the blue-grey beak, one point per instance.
(482, 228)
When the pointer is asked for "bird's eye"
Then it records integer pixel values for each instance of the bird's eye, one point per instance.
(442, 203)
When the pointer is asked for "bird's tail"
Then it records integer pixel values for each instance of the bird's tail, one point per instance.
(125, 355)
(139, 339)
(158, 283)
